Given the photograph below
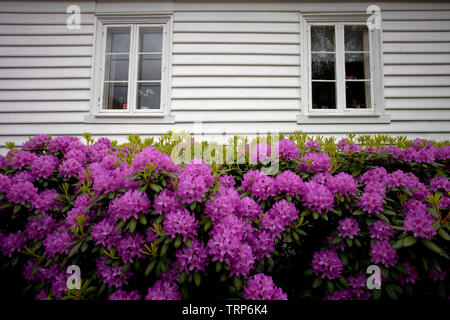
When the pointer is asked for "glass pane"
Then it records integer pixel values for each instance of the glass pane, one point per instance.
(356, 38)
(149, 96)
(357, 66)
(118, 40)
(150, 39)
(322, 38)
(357, 94)
(324, 95)
(117, 67)
(323, 65)
(150, 67)
(116, 95)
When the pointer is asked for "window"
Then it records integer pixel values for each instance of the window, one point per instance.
(350, 87)
(341, 70)
(132, 63)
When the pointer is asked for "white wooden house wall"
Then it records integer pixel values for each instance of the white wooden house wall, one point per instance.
(235, 68)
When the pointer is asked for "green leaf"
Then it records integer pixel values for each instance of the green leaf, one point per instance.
(164, 248)
(17, 208)
(330, 286)
(435, 248)
(197, 278)
(193, 206)
(143, 219)
(390, 292)
(223, 277)
(358, 212)
(75, 249)
(317, 282)
(132, 224)
(409, 241)
(237, 283)
(188, 243)
(218, 266)
(343, 281)
(85, 246)
(177, 242)
(315, 215)
(398, 244)
(150, 267)
(336, 240)
(390, 213)
(349, 242)
(207, 225)
(155, 187)
(444, 235)
(383, 217)
(183, 276)
(121, 225)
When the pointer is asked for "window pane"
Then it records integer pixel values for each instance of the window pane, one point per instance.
(322, 38)
(324, 95)
(323, 66)
(149, 95)
(150, 67)
(356, 38)
(150, 39)
(357, 94)
(357, 66)
(116, 95)
(118, 40)
(117, 67)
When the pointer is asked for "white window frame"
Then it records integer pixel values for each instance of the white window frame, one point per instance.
(131, 114)
(376, 112)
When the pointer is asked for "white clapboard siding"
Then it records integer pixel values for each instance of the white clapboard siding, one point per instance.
(417, 81)
(417, 103)
(40, 40)
(44, 73)
(261, 38)
(41, 18)
(235, 68)
(236, 59)
(236, 82)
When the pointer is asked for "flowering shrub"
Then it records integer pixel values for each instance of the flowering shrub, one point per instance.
(141, 226)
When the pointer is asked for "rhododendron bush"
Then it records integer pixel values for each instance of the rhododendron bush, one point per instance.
(141, 225)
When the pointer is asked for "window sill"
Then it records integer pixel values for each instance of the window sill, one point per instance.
(343, 118)
(152, 118)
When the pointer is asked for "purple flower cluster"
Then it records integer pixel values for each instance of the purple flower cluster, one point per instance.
(418, 220)
(327, 263)
(281, 215)
(317, 197)
(260, 184)
(382, 252)
(163, 290)
(194, 182)
(348, 227)
(181, 222)
(380, 230)
(411, 275)
(261, 287)
(123, 295)
(288, 149)
(194, 258)
(343, 184)
(313, 161)
(129, 205)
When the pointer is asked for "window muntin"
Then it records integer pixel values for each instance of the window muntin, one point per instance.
(133, 68)
(340, 65)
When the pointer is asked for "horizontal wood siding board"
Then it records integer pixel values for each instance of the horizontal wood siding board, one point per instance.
(47, 84)
(44, 106)
(45, 73)
(241, 27)
(261, 38)
(41, 62)
(235, 59)
(235, 71)
(43, 40)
